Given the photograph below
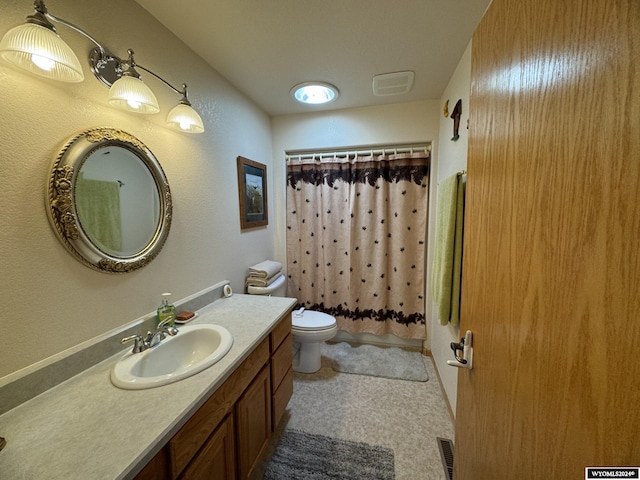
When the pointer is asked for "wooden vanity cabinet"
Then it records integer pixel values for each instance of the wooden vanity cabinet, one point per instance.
(226, 437)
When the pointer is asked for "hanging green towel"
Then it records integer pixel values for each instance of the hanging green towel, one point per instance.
(98, 207)
(446, 273)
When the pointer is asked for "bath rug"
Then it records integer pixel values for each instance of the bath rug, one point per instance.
(304, 456)
(372, 360)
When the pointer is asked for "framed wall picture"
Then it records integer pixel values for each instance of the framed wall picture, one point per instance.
(252, 193)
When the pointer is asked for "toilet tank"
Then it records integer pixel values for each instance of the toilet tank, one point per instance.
(278, 288)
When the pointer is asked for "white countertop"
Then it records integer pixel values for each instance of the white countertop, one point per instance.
(86, 428)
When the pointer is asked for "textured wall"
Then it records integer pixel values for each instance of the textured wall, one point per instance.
(54, 302)
(452, 159)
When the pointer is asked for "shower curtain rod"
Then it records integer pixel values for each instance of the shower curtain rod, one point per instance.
(359, 153)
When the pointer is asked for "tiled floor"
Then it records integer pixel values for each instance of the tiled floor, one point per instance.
(402, 415)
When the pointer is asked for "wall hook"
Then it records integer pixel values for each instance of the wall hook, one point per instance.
(455, 116)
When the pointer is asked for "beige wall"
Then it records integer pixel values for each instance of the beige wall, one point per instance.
(401, 123)
(52, 302)
(452, 158)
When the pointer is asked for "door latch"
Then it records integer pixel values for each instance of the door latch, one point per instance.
(466, 347)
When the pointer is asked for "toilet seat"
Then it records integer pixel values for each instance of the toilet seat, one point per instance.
(312, 321)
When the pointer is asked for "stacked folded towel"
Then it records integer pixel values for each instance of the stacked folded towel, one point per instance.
(263, 274)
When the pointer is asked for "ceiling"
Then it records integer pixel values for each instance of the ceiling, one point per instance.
(265, 47)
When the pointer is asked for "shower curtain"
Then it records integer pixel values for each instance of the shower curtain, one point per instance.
(356, 230)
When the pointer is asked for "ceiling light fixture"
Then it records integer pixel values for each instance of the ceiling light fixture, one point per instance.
(36, 47)
(315, 93)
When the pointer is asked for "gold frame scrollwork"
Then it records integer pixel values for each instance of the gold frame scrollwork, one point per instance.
(61, 207)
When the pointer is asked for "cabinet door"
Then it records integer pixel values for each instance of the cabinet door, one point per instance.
(216, 460)
(253, 419)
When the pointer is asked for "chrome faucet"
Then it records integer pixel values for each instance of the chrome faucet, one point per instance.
(151, 339)
(161, 332)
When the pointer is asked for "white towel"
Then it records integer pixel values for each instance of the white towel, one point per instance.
(254, 281)
(266, 269)
(278, 280)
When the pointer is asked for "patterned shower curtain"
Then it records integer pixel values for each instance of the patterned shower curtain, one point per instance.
(356, 239)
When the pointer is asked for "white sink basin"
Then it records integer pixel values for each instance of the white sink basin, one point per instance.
(193, 349)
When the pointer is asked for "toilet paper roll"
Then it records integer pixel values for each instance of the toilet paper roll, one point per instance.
(227, 291)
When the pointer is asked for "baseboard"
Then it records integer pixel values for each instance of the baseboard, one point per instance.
(387, 340)
(444, 394)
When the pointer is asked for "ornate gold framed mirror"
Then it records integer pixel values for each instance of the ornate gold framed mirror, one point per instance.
(109, 201)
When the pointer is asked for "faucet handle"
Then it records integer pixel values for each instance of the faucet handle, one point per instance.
(139, 344)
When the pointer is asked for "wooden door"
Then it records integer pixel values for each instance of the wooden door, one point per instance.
(551, 269)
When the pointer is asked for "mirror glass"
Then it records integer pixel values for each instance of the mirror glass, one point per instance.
(109, 200)
(120, 221)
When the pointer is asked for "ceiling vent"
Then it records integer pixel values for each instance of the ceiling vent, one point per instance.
(392, 83)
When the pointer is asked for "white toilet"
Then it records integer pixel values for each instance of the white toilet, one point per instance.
(309, 329)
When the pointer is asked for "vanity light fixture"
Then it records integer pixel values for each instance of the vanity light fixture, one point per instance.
(36, 47)
(315, 93)
(130, 93)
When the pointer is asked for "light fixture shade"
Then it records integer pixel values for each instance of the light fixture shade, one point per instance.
(314, 93)
(131, 94)
(185, 119)
(41, 51)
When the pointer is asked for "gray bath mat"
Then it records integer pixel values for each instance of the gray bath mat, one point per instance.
(387, 362)
(304, 456)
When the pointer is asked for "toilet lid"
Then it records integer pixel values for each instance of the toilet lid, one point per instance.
(310, 320)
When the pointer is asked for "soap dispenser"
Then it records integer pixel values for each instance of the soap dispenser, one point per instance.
(166, 310)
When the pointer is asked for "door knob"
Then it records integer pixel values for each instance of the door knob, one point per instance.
(466, 347)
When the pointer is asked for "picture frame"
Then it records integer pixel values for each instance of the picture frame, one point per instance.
(252, 193)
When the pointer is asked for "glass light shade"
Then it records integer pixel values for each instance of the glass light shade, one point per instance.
(131, 94)
(185, 119)
(314, 93)
(41, 51)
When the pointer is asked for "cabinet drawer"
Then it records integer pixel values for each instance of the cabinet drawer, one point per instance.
(281, 361)
(280, 331)
(281, 398)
